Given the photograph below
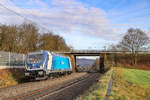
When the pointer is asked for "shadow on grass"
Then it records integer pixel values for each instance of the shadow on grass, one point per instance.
(17, 74)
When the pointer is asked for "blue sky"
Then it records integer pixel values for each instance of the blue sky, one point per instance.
(84, 24)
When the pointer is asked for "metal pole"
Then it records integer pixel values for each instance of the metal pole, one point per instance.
(23, 61)
(9, 59)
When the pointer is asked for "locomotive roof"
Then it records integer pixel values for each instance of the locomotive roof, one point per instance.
(42, 51)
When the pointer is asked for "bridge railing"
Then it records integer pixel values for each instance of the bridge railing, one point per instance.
(98, 51)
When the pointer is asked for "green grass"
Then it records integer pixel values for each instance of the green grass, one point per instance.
(130, 84)
(97, 91)
(139, 77)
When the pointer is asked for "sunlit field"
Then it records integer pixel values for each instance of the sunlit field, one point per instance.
(130, 84)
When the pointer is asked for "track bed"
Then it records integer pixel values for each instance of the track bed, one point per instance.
(72, 90)
(67, 91)
(9, 92)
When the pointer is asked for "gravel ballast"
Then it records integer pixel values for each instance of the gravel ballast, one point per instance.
(31, 86)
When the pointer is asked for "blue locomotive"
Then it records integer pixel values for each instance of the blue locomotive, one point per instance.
(44, 63)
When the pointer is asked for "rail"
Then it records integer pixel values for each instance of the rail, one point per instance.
(49, 91)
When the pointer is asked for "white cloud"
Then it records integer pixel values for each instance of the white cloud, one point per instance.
(64, 16)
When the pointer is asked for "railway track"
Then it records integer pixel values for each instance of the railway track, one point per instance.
(47, 92)
(27, 82)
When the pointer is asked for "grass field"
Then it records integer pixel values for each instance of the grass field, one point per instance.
(130, 84)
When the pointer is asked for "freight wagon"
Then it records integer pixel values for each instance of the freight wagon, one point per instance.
(40, 65)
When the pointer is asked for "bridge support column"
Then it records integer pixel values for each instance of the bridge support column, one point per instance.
(73, 63)
(115, 60)
(101, 64)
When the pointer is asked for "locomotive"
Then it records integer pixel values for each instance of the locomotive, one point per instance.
(41, 64)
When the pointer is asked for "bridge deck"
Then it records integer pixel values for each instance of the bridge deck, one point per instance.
(98, 53)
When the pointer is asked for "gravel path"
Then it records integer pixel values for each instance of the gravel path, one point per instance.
(31, 86)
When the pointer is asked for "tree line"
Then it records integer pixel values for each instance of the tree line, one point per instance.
(134, 40)
(26, 37)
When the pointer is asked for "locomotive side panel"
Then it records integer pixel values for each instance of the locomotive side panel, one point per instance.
(60, 63)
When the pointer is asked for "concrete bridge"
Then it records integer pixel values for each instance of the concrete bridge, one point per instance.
(74, 54)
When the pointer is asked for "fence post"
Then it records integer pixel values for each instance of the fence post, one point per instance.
(9, 60)
(23, 60)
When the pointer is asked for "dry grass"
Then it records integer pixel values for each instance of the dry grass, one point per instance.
(9, 77)
(97, 91)
(130, 84)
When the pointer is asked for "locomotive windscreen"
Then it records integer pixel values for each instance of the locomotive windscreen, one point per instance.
(35, 58)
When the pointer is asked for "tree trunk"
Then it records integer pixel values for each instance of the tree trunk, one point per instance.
(134, 58)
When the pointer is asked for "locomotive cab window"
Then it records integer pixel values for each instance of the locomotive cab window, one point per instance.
(35, 58)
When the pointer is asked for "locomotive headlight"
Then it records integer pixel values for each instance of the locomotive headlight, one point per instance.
(41, 66)
(26, 74)
(40, 72)
(27, 67)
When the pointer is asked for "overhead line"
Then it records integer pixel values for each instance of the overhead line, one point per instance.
(109, 25)
(13, 11)
(18, 14)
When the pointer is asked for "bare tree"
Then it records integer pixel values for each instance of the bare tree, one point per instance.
(28, 37)
(25, 38)
(49, 41)
(8, 37)
(134, 41)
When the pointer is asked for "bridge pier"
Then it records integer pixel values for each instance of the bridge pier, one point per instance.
(101, 63)
(73, 62)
